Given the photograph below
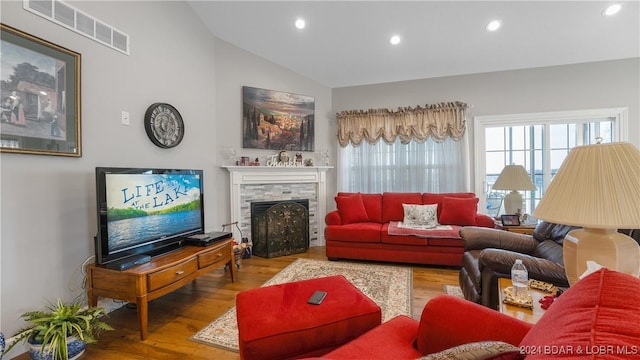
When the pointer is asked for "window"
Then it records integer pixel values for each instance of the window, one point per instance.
(414, 167)
(539, 142)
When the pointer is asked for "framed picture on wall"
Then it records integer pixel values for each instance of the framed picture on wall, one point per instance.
(39, 96)
(277, 120)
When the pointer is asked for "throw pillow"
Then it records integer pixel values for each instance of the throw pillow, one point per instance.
(352, 209)
(459, 211)
(436, 198)
(373, 204)
(420, 215)
(476, 350)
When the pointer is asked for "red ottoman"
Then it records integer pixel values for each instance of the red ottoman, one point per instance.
(275, 322)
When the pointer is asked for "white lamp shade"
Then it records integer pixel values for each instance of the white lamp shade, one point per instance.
(597, 186)
(514, 178)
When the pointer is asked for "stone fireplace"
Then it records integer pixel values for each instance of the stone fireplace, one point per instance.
(264, 183)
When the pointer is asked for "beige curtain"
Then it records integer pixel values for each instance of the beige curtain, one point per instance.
(438, 121)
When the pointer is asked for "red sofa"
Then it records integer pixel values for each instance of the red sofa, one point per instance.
(359, 228)
(597, 318)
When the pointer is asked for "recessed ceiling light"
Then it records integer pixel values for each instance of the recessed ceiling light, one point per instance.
(493, 26)
(394, 40)
(300, 23)
(612, 10)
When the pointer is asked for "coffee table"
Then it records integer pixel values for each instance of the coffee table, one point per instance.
(528, 315)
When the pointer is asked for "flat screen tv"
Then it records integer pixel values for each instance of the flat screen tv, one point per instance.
(143, 211)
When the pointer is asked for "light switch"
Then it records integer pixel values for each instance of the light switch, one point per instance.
(125, 118)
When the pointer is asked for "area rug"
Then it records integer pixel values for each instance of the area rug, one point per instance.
(453, 290)
(389, 286)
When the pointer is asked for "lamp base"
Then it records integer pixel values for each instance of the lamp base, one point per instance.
(512, 202)
(606, 247)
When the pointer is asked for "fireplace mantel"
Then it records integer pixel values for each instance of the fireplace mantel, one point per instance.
(255, 175)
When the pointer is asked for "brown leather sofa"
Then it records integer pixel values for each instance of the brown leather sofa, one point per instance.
(490, 253)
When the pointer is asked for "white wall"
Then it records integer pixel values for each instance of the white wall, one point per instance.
(48, 216)
(236, 68)
(48, 202)
(596, 85)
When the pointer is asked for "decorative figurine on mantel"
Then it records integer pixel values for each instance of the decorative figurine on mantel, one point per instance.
(283, 157)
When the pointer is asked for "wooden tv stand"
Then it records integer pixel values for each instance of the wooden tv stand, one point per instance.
(162, 275)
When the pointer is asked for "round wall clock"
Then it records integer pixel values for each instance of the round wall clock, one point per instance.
(164, 125)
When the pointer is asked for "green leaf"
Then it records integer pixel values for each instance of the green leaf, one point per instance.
(59, 321)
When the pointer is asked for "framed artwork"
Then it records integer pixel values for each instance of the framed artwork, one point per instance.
(277, 120)
(510, 220)
(39, 96)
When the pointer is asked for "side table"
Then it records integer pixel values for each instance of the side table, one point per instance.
(529, 315)
(520, 229)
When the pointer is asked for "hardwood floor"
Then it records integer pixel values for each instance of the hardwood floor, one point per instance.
(177, 316)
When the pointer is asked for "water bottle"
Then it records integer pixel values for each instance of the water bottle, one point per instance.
(520, 281)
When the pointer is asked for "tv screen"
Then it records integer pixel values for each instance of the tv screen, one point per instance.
(146, 211)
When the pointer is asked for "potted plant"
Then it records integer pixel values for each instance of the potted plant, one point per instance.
(61, 331)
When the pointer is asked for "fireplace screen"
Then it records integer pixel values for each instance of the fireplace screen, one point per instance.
(280, 228)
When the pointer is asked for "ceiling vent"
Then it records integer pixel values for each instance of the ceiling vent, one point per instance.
(71, 18)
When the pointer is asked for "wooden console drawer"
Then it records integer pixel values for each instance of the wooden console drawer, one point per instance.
(215, 255)
(172, 274)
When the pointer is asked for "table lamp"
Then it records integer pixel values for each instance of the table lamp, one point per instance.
(598, 188)
(514, 178)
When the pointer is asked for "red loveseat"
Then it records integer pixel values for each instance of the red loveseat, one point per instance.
(597, 318)
(359, 228)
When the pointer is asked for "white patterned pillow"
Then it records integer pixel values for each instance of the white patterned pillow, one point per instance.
(476, 351)
(420, 215)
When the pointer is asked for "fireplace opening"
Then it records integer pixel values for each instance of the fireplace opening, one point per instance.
(279, 228)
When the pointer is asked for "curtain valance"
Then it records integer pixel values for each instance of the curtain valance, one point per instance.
(439, 121)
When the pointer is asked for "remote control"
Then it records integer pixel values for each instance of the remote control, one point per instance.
(317, 297)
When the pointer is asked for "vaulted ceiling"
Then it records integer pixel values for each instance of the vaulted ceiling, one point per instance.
(346, 43)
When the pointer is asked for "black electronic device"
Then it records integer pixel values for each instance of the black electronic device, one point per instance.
(208, 238)
(124, 264)
(317, 297)
(219, 235)
(146, 211)
(200, 237)
(510, 220)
